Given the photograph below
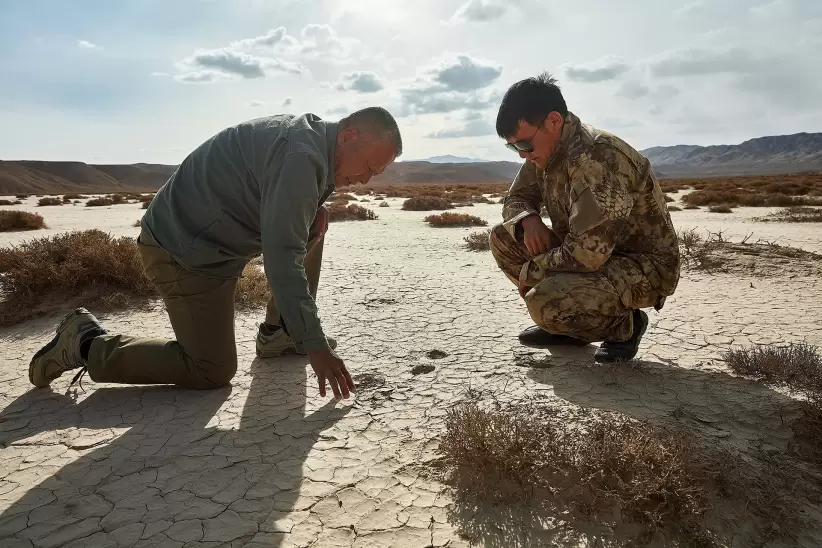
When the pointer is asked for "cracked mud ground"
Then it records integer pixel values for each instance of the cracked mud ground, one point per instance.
(267, 462)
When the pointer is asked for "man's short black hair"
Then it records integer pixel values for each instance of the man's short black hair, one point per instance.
(377, 121)
(529, 100)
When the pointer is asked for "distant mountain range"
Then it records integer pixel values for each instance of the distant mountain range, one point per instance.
(777, 154)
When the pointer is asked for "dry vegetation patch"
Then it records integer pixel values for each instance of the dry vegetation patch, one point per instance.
(426, 203)
(10, 202)
(352, 212)
(714, 253)
(101, 201)
(342, 197)
(20, 220)
(86, 268)
(795, 214)
(449, 219)
(753, 191)
(49, 201)
(721, 208)
(478, 241)
(252, 288)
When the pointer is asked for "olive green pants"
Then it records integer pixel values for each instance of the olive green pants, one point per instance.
(201, 310)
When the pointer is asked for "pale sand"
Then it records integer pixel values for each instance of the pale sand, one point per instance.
(267, 462)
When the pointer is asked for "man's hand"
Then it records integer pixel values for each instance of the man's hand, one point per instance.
(327, 365)
(537, 237)
(320, 223)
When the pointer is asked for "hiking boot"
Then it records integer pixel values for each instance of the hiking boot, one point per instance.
(62, 353)
(625, 350)
(273, 344)
(537, 336)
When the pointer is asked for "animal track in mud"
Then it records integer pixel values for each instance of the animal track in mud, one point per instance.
(422, 369)
(436, 354)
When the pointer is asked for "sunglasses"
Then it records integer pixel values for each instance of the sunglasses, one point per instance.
(525, 145)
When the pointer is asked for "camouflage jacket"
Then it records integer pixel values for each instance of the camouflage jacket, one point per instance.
(603, 200)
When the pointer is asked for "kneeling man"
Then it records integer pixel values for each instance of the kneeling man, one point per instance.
(611, 249)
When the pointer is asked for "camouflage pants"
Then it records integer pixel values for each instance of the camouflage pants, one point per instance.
(592, 307)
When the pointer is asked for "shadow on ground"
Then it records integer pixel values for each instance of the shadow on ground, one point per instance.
(161, 464)
(743, 418)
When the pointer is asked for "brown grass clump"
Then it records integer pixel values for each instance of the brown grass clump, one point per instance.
(21, 196)
(795, 366)
(722, 208)
(384, 204)
(430, 189)
(669, 199)
(99, 202)
(796, 214)
(49, 202)
(689, 206)
(8, 202)
(138, 223)
(343, 197)
(73, 196)
(426, 203)
(615, 470)
(478, 241)
(352, 212)
(85, 268)
(449, 219)
(20, 220)
(117, 199)
(252, 288)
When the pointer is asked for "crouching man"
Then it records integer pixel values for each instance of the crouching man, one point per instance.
(257, 187)
(611, 249)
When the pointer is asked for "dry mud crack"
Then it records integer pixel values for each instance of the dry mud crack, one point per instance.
(266, 462)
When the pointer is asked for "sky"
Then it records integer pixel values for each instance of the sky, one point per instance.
(128, 81)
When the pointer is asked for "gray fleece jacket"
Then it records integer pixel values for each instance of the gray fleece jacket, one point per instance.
(252, 188)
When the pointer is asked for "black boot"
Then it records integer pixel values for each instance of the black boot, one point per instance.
(538, 337)
(624, 350)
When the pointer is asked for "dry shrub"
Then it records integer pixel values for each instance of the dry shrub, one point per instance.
(797, 214)
(49, 202)
(669, 199)
(448, 219)
(138, 223)
(674, 208)
(613, 467)
(146, 204)
(343, 197)
(118, 198)
(384, 204)
(252, 288)
(478, 241)
(722, 208)
(85, 268)
(99, 202)
(8, 202)
(426, 203)
(146, 197)
(691, 206)
(21, 196)
(73, 196)
(795, 366)
(20, 220)
(352, 212)
(442, 190)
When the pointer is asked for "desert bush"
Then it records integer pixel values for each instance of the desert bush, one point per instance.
(138, 223)
(73, 196)
(6, 202)
(49, 202)
(20, 220)
(101, 201)
(795, 366)
(674, 208)
(21, 196)
(384, 204)
(797, 214)
(689, 206)
(721, 208)
(426, 203)
(612, 467)
(146, 197)
(352, 212)
(449, 219)
(478, 241)
(669, 199)
(85, 268)
(342, 197)
(252, 288)
(117, 199)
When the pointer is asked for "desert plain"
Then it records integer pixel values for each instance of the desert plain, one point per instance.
(446, 393)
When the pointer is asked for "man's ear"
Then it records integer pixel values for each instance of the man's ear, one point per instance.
(348, 135)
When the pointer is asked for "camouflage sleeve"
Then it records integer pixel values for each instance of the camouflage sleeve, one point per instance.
(524, 198)
(601, 201)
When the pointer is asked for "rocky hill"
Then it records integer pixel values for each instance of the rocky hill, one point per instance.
(36, 177)
(776, 154)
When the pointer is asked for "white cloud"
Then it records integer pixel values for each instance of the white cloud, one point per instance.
(256, 103)
(269, 39)
(473, 125)
(452, 83)
(480, 11)
(605, 68)
(84, 44)
(361, 82)
(287, 102)
(218, 64)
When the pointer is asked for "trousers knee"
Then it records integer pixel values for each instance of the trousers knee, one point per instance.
(211, 375)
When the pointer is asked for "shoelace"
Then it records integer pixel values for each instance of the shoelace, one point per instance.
(78, 377)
